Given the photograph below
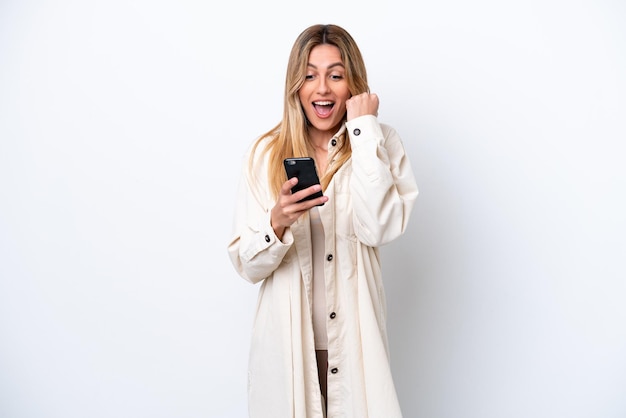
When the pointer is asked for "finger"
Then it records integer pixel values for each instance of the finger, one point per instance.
(286, 187)
(306, 205)
(301, 194)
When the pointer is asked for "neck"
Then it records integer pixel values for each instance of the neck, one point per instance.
(319, 141)
(318, 148)
(319, 138)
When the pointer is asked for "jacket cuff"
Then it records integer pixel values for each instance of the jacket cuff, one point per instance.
(364, 131)
(266, 239)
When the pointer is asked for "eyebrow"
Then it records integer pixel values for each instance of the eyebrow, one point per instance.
(336, 64)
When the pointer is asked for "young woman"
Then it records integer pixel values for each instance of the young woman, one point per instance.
(319, 344)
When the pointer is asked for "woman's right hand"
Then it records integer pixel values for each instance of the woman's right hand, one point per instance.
(288, 208)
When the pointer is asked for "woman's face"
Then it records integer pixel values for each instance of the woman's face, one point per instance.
(325, 90)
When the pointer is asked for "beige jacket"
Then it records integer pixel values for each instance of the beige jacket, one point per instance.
(370, 200)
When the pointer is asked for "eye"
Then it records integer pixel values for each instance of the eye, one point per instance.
(336, 77)
(309, 77)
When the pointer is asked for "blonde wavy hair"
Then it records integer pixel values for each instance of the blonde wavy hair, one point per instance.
(289, 138)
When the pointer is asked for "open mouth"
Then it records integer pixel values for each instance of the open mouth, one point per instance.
(323, 108)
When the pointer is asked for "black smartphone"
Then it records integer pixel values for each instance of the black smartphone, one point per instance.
(304, 169)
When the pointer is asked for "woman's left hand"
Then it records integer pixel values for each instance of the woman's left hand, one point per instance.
(362, 104)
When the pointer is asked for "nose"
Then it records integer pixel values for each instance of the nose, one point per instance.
(323, 86)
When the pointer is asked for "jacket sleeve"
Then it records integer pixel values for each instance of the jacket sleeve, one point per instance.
(254, 248)
(382, 185)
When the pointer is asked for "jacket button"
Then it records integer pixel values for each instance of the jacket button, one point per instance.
(329, 257)
(357, 132)
(333, 142)
(334, 370)
(333, 315)
(267, 238)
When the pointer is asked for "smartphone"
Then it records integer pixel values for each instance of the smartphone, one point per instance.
(304, 169)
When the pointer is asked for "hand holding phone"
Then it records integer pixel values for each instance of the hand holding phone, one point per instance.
(304, 169)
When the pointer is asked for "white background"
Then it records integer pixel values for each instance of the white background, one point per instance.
(122, 127)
